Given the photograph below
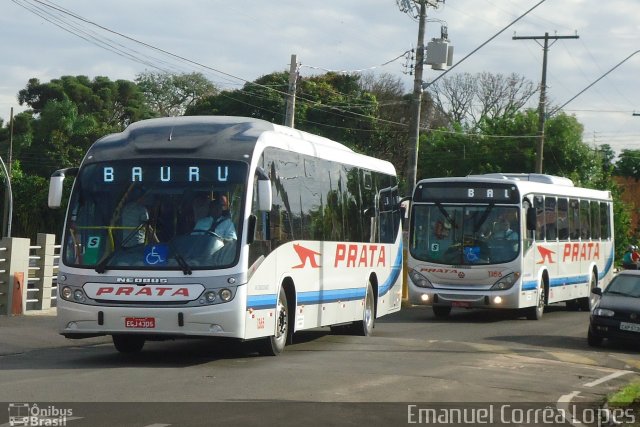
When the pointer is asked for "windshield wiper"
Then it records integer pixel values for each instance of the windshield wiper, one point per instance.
(101, 267)
(186, 268)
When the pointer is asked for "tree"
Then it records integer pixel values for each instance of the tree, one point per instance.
(471, 99)
(113, 105)
(628, 164)
(172, 94)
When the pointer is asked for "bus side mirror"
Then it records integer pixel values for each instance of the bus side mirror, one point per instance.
(531, 219)
(265, 196)
(56, 186)
(251, 229)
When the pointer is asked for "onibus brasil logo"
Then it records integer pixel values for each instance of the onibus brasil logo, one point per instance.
(25, 414)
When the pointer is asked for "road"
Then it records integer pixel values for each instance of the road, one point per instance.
(481, 358)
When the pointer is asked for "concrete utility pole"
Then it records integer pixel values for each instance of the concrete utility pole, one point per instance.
(410, 7)
(543, 91)
(291, 98)
(416, 103)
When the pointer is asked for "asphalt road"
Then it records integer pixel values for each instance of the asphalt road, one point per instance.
(481, 359)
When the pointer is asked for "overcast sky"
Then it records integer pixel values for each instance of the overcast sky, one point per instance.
(233, 41)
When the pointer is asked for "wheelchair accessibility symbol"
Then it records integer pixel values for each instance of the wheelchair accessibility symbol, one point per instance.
(156, 254)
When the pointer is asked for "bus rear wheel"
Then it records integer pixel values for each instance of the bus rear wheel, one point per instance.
(365, 326)
(128, 343)
(274, 345)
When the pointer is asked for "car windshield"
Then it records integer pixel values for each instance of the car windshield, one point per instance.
(626, 285)
(175, 214)
(465, 235)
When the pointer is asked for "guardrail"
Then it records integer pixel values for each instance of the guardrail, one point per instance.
(28, 274)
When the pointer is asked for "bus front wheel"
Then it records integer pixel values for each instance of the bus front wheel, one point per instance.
(441, 311)
(536, 312)
(274, 345)
(128, 343)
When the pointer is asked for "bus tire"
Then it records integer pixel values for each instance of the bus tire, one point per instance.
(536, 312)
(585, 303)
(128, 343)
(441, 311)
(274, 344)
(365, 326)
(573, 304)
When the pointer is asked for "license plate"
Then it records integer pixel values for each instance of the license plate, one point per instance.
(461, 304)
(632, 327)
(140, 322)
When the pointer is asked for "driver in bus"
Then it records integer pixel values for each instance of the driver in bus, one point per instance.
(218, 220)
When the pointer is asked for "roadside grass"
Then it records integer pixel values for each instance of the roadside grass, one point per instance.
(627, 398)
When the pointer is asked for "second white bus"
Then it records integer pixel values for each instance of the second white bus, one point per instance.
(516, 241)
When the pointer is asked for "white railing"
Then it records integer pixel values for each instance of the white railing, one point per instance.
(28, 274)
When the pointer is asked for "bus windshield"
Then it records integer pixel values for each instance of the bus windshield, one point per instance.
(155, 214)
(465, 235)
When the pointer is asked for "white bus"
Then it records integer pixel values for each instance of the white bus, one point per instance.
(516, 241)
(312, 235)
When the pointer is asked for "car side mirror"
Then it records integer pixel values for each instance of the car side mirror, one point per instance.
(596, 291)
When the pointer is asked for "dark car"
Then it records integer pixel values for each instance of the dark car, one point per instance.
(616, 315)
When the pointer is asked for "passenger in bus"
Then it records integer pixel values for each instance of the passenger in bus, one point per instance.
(502, 230)
(201, 203)
(631, 258)
(217, 221)
(134, 214)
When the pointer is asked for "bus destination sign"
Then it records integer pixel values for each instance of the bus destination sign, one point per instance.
(467, 192)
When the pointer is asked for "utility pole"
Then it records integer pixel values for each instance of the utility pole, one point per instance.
(411, 7)
(291, 98)
(416, 103)
(543, 91)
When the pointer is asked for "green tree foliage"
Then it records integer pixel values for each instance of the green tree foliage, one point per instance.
(172, 94)
(64, 118)
(628, 164)
(263, 99)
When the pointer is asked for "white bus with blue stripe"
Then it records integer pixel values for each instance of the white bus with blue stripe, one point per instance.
(312, 235)
(513, 241)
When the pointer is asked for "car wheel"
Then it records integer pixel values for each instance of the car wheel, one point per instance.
(593, 340)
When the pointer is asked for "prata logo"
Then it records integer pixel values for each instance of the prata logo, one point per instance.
(546, 255)
(306, 254)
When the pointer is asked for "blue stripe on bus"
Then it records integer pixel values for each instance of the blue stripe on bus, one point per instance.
(571, 280)
(326, 296)
(396, 269)
(261, 302)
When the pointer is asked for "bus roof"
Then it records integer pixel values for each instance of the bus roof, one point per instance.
(529, 183)
(223, 137)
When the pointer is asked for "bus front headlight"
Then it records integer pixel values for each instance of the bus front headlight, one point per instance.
(419, 280)
(66, 293)
(506, 282)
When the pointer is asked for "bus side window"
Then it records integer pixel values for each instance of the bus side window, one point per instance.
(585, 223)
(563, 219)
(574, 219)
(538, 203)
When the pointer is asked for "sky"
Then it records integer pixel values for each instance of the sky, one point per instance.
(235, 41)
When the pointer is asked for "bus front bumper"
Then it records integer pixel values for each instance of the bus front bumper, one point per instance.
(469, 299)
(219, 320)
